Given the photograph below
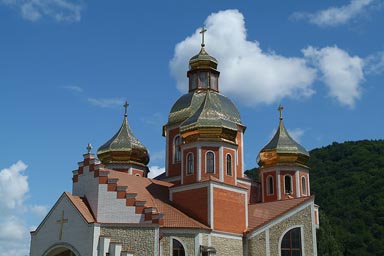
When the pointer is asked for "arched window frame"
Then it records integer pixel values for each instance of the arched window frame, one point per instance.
(210, 162)
(300, 227)
(270, 185)
(303, 185)
(177, 149)
(190, 164)
(172, 252)
(228, 159)
(286, 190)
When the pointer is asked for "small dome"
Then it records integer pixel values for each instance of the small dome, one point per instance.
(123, 148)
(282, 149)
(202, 61)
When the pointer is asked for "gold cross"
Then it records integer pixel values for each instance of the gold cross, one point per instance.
(61, 223)
(280, 109)
(126, 107)
(203, 30)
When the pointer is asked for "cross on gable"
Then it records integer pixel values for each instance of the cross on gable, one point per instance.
(61, 222)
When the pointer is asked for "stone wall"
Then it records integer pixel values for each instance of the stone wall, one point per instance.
(227, 246)
(256, 246)
(187, 240)
(303, 219)
(139, 240)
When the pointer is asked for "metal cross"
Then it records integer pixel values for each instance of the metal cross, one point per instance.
(126, 107)
(89, 147)
(61, 223)
(280, 109)
(203, 30)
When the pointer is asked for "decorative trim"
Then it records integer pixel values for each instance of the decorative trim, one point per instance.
(267, 245)
(227, 235)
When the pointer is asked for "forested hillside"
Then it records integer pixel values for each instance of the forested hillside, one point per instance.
(348, 181)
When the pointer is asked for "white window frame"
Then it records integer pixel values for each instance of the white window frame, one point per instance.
(206, 162)
(304, 186)
(226, 164)
(285, 190)
(176, 152)
(187, 164)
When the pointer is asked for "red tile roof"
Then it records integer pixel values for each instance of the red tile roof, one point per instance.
(262, 213)
(155, 193)
(81, 206)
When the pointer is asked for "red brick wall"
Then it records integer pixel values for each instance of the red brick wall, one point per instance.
(193, 202)
(229, 211)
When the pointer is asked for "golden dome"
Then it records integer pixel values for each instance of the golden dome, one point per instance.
(123, 147)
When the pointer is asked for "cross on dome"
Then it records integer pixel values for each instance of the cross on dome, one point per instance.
(280, 109)
(126, 108)
(203, 30)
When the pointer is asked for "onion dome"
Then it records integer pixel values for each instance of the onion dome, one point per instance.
(202, 60)
(282, 149)
(123, 147)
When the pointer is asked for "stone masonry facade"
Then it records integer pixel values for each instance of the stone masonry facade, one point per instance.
(137, 240)
(303, 219)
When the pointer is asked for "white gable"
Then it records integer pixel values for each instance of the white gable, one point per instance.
(64, 226)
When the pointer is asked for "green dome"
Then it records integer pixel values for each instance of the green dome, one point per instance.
(212, 104)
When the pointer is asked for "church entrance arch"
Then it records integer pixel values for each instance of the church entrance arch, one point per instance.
(61, 250)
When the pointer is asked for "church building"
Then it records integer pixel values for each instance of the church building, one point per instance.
(203, 204)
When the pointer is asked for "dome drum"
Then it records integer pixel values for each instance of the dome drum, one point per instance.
(134, 156)
(209, 134)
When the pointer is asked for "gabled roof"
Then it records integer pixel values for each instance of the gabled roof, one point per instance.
(81, 206)
(261, 213)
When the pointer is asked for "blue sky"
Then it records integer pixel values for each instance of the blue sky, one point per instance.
(66, 68)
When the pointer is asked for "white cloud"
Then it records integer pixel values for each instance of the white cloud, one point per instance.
(13, 186)
(247, 72)
(107, 102)
(335, 16)
(374, 64)
(73, 88)
(341, 73)
(155, 171)
(158, 156)
(14, 235)
(39, 210)
(59, 10)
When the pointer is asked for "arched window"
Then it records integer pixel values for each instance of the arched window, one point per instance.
(229, 165)
(270, 185)
(210, 159)
(288, 184)
(304, 186)
(176, 149)
(291, 243)
(189, 163)
(177, 248)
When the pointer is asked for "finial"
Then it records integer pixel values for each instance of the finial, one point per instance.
(203, 30)
(89, 148)
(126, 108)
(280, 109)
